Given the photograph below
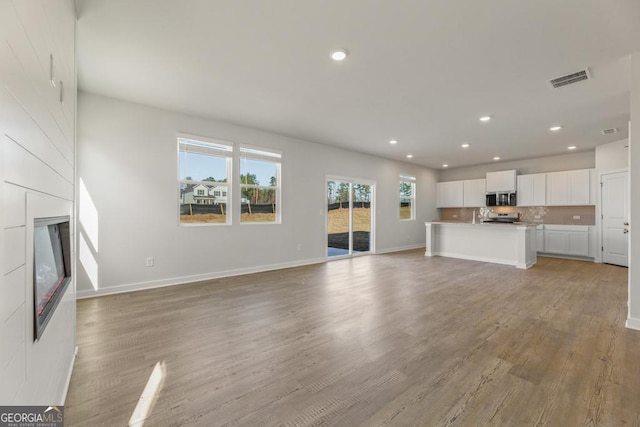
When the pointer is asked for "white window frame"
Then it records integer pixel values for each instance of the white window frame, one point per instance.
(407, 179)
(226, 150)
(267, 155)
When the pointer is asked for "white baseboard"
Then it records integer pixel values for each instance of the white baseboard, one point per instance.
(66, 386)
(633, 323)
(131, 287)
(401, 248)
(562, 256)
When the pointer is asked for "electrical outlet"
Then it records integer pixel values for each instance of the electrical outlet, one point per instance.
(576, 217)
(455, 216)
(150, 261)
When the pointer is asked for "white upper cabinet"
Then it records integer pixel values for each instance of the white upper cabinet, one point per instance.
(457, 194)
(474, 191)
(579, 187)
(568, 188)
(532, 189)
(558, 188)
(503, 181)
(565, 188)
(450, 194)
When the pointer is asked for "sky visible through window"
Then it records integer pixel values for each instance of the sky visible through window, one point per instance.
(263, 170)
(200, 167)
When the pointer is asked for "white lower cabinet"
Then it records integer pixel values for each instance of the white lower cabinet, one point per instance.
(540, 238)
(573, 240)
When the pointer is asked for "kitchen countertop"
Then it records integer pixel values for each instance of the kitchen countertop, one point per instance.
(501, 224)
(499, 243)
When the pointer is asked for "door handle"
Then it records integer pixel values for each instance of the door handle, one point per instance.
(625, 231)
(625, 223)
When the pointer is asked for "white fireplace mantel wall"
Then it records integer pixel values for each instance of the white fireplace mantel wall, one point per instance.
(37, 158)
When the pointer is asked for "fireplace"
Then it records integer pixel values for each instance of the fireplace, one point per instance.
(51, 268)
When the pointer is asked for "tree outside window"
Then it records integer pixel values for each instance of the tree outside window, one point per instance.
(407, 197)
(259, 186)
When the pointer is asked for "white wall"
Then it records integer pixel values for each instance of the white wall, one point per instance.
(612, 156)
(124, 146)
(37, 135)
(581, 160)
(633, 321)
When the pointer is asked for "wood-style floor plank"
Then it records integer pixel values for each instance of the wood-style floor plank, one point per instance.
(395, 339)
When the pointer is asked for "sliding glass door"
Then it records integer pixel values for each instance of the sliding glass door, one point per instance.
(349, 217)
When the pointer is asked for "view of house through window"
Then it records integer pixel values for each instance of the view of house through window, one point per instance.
(203, 174)
(407, 197)
(259, 185)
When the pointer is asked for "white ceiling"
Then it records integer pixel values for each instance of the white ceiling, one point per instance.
(421, 72)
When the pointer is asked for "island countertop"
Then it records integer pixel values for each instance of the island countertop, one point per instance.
(501, 224)
(499, 243)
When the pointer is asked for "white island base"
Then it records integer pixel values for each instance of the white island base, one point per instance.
(510, 244)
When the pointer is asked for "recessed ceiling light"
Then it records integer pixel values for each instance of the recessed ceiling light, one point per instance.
(496, 158)
(445, 165)
(409, 156)
(555, 128)
(571, 147)
(393, 141)
(339, 54)
(485, 118)
(465, 145)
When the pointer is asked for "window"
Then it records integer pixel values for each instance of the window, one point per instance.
(407, 197)
(202, 162)
(259, 185)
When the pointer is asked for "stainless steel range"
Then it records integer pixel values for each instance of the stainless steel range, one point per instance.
(502, 218)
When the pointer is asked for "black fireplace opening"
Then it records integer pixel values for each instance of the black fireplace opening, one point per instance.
(51, 268)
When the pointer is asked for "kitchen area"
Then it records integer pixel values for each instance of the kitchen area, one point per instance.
(510, 218)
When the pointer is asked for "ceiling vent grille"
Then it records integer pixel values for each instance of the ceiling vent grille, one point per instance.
(570, 78)
(609, 131)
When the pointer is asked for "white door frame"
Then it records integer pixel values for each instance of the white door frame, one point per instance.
(599, 227)
(350, 180)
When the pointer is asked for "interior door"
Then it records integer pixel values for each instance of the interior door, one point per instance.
(615, 218)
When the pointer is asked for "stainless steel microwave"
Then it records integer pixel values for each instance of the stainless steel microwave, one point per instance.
(501, 199)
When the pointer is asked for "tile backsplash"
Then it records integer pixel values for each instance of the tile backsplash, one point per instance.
(565, 215)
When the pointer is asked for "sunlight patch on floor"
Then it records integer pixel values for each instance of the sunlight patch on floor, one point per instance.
(149, 395)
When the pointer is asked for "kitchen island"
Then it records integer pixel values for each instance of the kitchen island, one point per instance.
(510, 244)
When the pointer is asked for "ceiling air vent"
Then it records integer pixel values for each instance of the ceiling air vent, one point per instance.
(609, 131)
(570, 78)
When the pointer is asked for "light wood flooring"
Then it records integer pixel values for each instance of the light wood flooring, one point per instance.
(397, 339)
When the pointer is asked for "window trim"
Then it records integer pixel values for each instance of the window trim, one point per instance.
(407, 179)
(227, 151)
(234, 153)
(272, 156)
